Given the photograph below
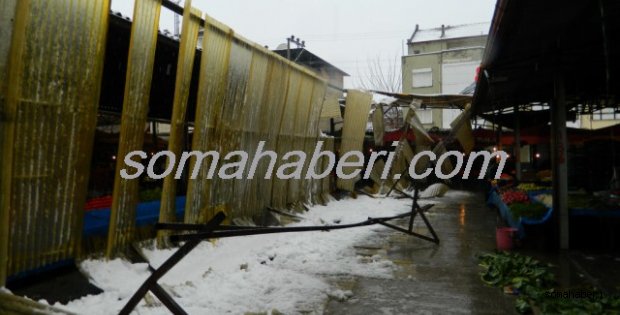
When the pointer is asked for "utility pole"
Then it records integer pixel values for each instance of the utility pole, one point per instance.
(300, 44)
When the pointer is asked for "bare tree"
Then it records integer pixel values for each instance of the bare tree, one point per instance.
(382, 75)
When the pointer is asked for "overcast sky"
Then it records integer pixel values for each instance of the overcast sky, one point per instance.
(346, 33)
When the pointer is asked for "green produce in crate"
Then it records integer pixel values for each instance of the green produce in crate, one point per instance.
(530, 187)
(529, 210)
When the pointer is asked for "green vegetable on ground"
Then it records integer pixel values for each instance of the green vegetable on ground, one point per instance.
(537, 289)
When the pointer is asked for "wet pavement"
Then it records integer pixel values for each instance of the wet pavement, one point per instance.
(431, 279)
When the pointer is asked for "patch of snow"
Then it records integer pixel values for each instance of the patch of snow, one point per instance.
(261, 273)
(340, 295)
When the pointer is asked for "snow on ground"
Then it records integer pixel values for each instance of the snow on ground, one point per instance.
(261, 273)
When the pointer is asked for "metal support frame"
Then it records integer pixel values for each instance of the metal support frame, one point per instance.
(415, 210)
(150, 284)
(214, 229)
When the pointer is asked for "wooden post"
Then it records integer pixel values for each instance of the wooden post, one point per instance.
(559, 161)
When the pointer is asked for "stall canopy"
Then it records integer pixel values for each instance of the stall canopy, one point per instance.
(542, 134)
(532, 118)
(563, 53)
(532, 42)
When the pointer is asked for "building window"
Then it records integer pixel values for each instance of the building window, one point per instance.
(606, 114)
(422, 77)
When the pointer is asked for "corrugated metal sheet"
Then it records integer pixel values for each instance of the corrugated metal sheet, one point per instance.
(217, 42)
(185, 65)
(54, 78)
(378, 125)
(7, 15)
(462, 130)
(247, 94)
(135, 107)
(285, 138)
(331, 108)
(356, 112)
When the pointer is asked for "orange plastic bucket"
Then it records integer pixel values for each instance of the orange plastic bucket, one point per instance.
(503, 237)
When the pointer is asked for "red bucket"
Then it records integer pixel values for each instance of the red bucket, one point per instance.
(504, 236)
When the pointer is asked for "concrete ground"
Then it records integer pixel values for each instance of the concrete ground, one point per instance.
(433, 279)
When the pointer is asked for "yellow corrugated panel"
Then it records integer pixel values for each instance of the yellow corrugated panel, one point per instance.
(52, 93)
(7, 16)
(356, 112)
(135, 108)
(285, 137)
(212, 88)
(248, 198)
(378, 127)
(300, 126)
(270, 121)
(247, 94)
(312, 133)
(228, 129)
(462, 130)
(328, 182)
(331, 108)
(185, 65)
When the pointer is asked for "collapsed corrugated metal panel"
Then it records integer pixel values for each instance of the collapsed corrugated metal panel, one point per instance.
(378, 127)
(211, 91)
(285, 139)
(247, 94)
(49, 119)
(135, 108)
(331, 108)
(185, 65)
(311, 138)
(356, 112)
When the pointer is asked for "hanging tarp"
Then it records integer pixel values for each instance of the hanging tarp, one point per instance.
(135, 107)
(52, 87)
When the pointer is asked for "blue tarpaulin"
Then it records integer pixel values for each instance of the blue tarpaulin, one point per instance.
(96, 222)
